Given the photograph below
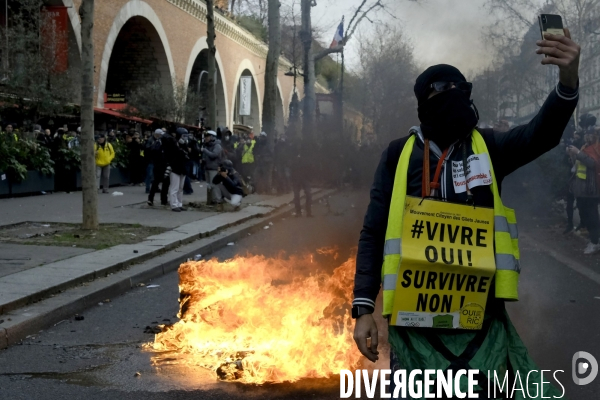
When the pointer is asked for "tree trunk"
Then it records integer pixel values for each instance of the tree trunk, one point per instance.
(211, 106)
(212, 68)
(269, 117)
(88, 159)
(310, 102)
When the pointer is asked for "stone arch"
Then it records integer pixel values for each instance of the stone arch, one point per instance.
(75, 22)
(142, 13)
(246, 68)
(223, 116)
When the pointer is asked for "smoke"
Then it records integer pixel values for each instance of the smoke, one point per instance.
(452, 36)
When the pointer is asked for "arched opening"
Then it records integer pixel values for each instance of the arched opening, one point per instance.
(246, 111)
(198, 84)
(138, 57)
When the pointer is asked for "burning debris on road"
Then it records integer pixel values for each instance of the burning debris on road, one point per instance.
(263, 320)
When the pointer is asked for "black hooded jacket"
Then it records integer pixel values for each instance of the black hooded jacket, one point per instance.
(175, 154)
(508, 152)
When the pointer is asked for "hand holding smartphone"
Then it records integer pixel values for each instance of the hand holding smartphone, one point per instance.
(560, 49)
(551, 24)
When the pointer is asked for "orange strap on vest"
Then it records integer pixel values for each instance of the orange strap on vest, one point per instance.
(428, 186)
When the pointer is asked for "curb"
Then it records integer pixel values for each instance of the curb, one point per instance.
(55, 309)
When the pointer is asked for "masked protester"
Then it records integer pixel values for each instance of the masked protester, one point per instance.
(438, 239)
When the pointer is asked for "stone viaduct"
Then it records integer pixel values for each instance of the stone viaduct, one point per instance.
(164, 41)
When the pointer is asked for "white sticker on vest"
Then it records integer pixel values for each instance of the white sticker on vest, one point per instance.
(478, 173)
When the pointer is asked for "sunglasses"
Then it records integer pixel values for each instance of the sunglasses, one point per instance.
(443, 86)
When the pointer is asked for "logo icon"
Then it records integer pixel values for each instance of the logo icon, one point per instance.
(584, 363)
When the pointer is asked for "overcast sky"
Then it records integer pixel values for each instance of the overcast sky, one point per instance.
(441, 31)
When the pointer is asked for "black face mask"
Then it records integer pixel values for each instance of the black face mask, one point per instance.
(447, 117)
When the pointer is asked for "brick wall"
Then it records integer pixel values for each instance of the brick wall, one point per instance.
(182, 31)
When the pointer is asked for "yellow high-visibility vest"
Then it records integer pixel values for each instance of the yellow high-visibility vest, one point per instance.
(581, 170)
(505, 233)
(248, 154)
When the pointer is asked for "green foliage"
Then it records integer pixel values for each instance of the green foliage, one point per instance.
(35, 157)
(18, 157)
(121, 159)
(329, 71)
(254, 25)
(9, 162)
(68, 159)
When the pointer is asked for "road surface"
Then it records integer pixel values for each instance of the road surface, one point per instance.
(98, 358)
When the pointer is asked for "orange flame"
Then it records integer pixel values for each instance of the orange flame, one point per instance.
(257, 320)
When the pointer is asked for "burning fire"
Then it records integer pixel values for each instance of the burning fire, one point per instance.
(257, 320)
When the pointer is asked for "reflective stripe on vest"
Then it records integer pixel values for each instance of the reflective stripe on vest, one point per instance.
(506, 234)
(581, 171)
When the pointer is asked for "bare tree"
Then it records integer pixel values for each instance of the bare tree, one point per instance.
(88, 163)
(387, 73)
(292, 49)
(310, 101)
(272, 68)
(361, 13)
(515, 30)
(31, 54)
(256, 8)
(165, 103)
(212, 68)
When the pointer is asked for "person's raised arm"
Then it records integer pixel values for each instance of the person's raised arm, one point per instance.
(525, 143)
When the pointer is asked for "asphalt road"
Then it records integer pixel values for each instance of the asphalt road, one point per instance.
(97, 358)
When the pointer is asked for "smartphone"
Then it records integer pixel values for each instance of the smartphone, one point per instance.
(551, 24)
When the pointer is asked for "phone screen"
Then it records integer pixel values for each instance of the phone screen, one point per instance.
(551, 24)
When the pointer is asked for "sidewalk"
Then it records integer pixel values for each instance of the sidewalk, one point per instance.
(130, 208)
(116, 269)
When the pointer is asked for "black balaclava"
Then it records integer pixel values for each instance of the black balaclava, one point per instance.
(447, 116)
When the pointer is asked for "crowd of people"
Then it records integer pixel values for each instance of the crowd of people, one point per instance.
(582, 148)
(168, 161)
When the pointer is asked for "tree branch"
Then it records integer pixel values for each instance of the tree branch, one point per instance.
(356, 13)
(351, 29)
(326, 52)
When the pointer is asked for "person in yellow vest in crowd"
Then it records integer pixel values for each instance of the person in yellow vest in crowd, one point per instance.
(104, 156)
(10, 132)
(586, 186)
(247, 154)
(439, 240)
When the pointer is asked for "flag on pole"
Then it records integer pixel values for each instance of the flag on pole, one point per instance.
(339, 35)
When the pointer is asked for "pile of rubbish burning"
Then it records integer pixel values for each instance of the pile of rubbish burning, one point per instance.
(262, 320)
